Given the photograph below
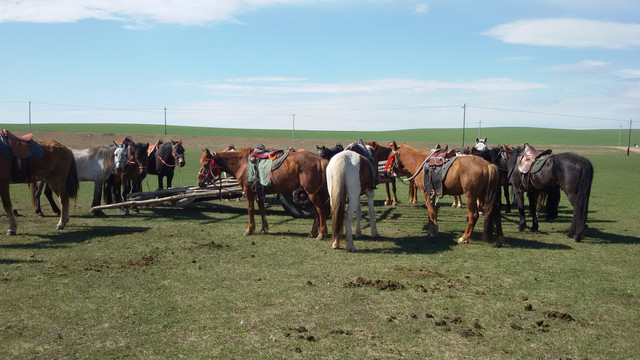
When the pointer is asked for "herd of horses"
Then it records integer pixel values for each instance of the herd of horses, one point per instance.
(333, 178)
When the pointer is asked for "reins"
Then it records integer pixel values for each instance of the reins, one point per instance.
(417, 172)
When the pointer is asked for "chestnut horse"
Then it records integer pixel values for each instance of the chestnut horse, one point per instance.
(472, 176)
(57, 168)
(299, 169)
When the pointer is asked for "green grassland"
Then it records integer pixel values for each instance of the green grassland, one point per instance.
(516, 135)
(185, 283)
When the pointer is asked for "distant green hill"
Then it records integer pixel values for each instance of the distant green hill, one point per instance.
(510, 135)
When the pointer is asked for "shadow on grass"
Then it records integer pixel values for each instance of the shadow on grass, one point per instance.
(77, 236)
(13, 261)
(411, 245)
(596, 236)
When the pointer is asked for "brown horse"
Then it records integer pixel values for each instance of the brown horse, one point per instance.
(472, 176)
(299, 169)
(57, 167)
(381, 153)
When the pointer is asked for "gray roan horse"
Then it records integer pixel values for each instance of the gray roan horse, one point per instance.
(93, 164)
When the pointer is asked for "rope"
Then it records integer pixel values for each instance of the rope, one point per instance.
(417, 172)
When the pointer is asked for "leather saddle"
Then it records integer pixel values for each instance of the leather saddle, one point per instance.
(529, 156)
(19, 145)
(440, 157)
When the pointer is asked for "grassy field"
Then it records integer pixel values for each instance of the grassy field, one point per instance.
(171, 283)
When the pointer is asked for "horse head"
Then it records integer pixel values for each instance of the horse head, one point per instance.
(120, 156)
(141, 158)
(209, 170)
(178, 152)
(481, 144)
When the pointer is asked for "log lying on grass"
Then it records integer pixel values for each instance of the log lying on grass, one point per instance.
(180, 197)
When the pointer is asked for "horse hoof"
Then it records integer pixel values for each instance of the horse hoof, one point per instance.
(60, 227)
(335, 245)
(11, 232)
(463, 241)
(99, 213)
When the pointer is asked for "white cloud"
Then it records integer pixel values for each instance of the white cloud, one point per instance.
(568, 32)
(375, 86)
(421, 9)
(192, 12)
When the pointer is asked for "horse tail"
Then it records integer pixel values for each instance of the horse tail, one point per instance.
(72, 178)
(336, 181)
(492, 206)
(581, 207)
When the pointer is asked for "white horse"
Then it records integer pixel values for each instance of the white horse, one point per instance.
(349, 175)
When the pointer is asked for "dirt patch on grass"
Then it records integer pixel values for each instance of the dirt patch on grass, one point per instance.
(558, 315)
(380, 284)
(145, 260)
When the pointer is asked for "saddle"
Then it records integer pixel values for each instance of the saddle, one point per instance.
(261, 152)
(440, 157)
(262, 162)
(529, 156)
(19, 145)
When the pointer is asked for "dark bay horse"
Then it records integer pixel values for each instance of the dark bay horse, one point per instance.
(497, 156)
(118, 186)
(163, 159)
(327, 153)
(348, 176)
(567, 171)
(471, 176)
(57, 167)
(299, 169)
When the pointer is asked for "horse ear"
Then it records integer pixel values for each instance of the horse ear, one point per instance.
(477, 140)
(446, 148)
(484, 140)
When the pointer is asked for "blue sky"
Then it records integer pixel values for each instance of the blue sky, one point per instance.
(335, 64)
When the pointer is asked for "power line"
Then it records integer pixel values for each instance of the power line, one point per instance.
(547, 113)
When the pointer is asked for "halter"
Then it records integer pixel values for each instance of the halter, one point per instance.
(397, 159)
(213, 168)
(173, 152)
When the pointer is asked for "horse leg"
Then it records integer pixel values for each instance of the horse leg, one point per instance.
(319, 229)
(533, 197)
(35, 188)
(251, 210)
(263, 216)
(48, 193)
(431, 209)
(518, 196)
(387, 199)
(8, 208)
(352, 209)
(393, 189)
(169, 179)
(63, 198)
(472, 214)
(372, 214)
(97, 198)
(160, 181)
(505, 189)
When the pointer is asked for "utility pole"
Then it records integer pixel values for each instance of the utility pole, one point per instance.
(629, 145)
(165, 120)
(293, 128)
(464, 119)
(29, 115)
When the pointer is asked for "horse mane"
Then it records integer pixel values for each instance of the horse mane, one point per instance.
(513, 158)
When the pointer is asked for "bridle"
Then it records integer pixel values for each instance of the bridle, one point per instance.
(395, 158)
(212, 170)
(176, 156)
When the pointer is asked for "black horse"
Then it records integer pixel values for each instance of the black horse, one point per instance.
(163, 160)
(567, 171)
(498, 156)
(327, 153)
